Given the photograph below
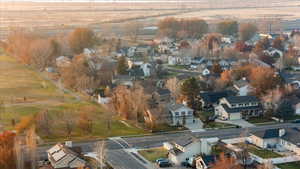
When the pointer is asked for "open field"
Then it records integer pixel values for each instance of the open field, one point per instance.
(62, 17)
(26, 93)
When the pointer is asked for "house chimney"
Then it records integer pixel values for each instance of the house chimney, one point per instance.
(68, 144)
(281, 132)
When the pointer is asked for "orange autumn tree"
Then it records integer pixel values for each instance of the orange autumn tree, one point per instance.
(226, 163)
(263, 79)
(7, 154)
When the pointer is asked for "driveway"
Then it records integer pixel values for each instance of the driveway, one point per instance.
(242, 123)
(195, 127)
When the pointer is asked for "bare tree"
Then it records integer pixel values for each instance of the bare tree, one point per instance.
(19, 153)
(68, 121)
(31, 144)
(42, 53)
(243, 155)
(133, 29)
(44, 122)
(173, 85)
(2, 108)
(100, 151)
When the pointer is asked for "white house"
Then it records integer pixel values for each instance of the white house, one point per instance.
(180, 114)
(238, 107)
(183, 149)
(273, 52)
(286, 138)
(206, 72)
(63, 61)
(131, 51)
(242, 87)
(188, 148)
(172, 60)
(146, 67)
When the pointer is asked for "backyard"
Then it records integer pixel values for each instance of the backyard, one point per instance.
(154, 154)
(24, 93)
(263, 153)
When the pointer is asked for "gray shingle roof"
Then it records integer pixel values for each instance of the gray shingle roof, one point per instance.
(292, 136)
(241, 99)
(240, 109)
(267, 134)
(174, 106)
(213, 97)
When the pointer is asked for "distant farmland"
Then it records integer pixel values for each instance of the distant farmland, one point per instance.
(58, 17)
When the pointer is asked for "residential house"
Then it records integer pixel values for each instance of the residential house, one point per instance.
(273, 52)
(63, 157)
(197, 60)
(242, 87)
(277, 138)
(189, 148)
(180, 114)
(205, 161)
(131, 51)
(122, 80)
(292, 79)
(238, 107)
(63, 61)
(210, 99)
(102, 98)
(146, 67)
(162, 95)
(258, 62)
(206, 72)
(142, 50)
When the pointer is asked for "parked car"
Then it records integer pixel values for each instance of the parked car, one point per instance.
(163, 164)
(186, 164)
(161, 159)
(296, 121)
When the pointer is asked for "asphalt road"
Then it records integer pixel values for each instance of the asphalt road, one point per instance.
(123, 160)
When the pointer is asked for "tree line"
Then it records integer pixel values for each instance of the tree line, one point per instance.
(196, 28)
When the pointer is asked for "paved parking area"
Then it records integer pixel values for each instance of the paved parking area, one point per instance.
(197, 126)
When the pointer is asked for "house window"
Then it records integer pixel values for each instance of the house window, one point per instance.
(233, 105)
(240, 105)
(176, 113)
(190, 113)
(182, 113)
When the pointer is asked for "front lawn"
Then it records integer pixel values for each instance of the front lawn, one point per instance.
(153, 154)
(259, 120)
(263, 153)
(293, 165)
(218, 125)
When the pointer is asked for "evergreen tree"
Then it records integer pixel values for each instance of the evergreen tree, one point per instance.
(122, 66)
(190, 89)
(285, 110)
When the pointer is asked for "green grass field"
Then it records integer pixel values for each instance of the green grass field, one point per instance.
(17, 82)
(263, 153)
(293, 165)
(153, 154)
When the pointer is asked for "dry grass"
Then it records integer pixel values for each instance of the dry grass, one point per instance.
(18, 81)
